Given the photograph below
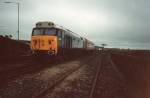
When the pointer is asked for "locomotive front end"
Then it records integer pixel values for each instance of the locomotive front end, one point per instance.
(44, 44)
(44, 39)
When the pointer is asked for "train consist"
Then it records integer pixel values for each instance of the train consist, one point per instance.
(48, 38)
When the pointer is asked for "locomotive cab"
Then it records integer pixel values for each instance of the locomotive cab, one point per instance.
(45, 38)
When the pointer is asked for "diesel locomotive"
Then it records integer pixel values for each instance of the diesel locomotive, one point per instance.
(49, 38)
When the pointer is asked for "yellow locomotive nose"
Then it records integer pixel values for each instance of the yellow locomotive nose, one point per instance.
(47, 44)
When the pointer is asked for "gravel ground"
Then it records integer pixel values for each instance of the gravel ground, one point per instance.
(30, 84)
(78, 85)
(110, 84)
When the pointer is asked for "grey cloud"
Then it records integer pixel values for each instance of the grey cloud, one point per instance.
(127, 25)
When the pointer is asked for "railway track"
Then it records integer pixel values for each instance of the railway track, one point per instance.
(103, 86)
(96, 72)
(41, 92)
(99, 65)
(10, 64)
(25, 65)
(33, 69)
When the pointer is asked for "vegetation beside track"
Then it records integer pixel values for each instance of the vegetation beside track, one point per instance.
(10, 47)
(135, 66)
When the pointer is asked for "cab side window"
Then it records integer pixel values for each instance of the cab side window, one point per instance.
(59, 35)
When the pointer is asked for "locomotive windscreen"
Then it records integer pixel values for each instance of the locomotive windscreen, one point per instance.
(44, 31)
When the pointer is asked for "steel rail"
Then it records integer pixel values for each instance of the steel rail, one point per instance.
(40, 93)
(99, 63)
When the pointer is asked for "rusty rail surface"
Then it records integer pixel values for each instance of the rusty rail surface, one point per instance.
(99, 64)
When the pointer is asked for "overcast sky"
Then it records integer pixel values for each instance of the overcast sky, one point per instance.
(118, 23)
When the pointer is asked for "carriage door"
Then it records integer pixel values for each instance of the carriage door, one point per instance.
(70, 42)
